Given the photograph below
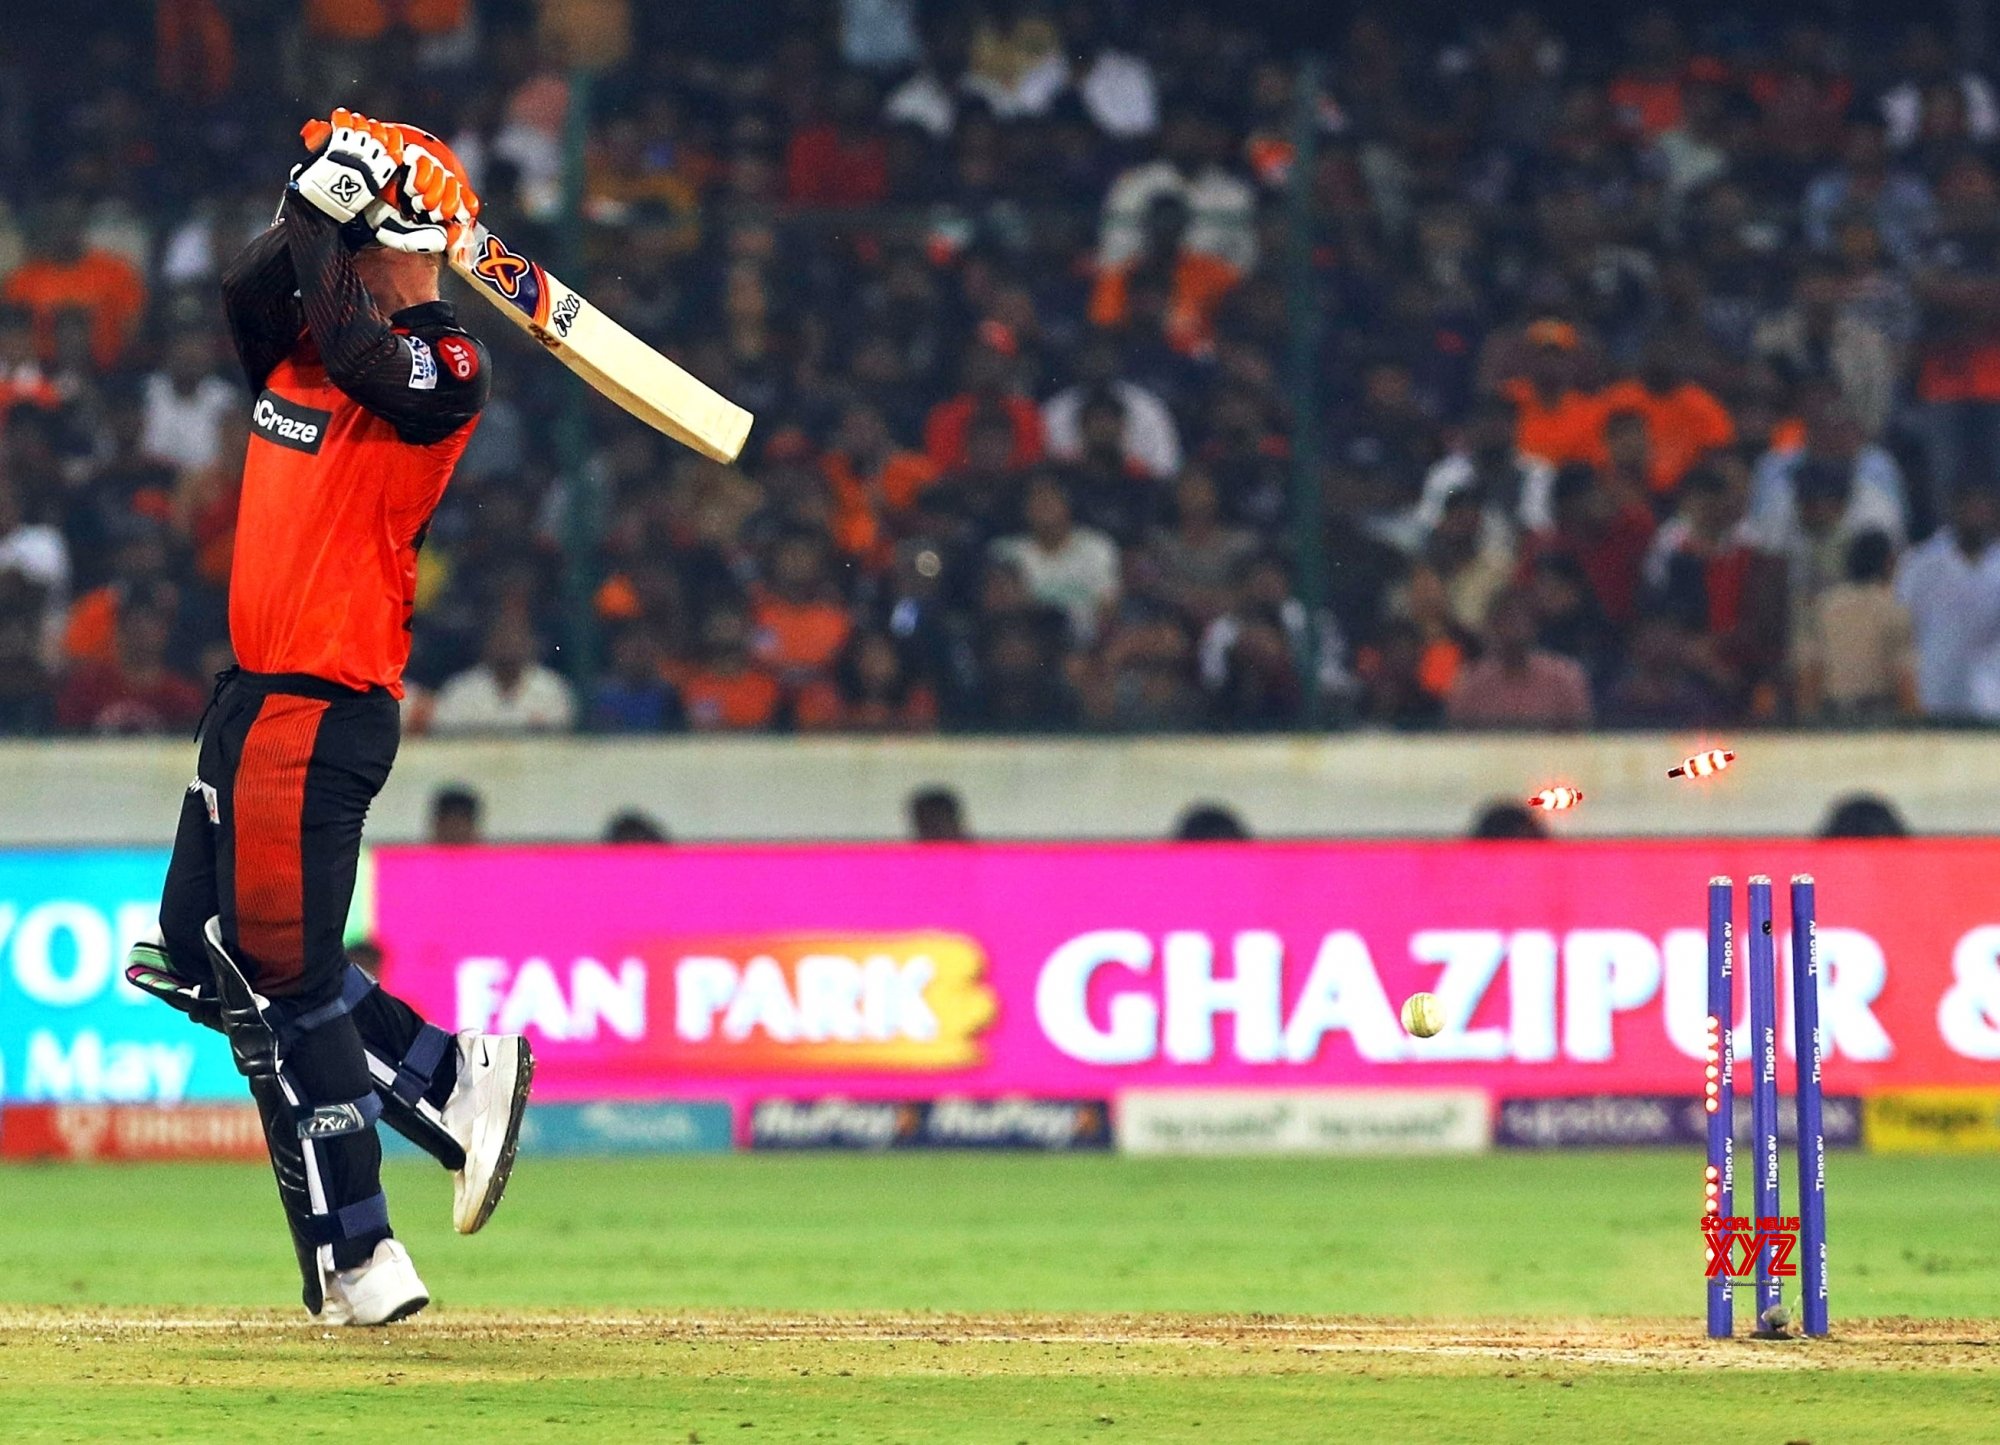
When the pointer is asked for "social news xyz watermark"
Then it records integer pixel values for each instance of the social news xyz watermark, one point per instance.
(1736, 1241)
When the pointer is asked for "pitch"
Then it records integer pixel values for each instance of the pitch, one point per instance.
(930, 1297)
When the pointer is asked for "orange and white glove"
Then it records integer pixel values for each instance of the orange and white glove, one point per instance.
(353, 167)
(434, 207)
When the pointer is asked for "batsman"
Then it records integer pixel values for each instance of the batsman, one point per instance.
(366, 393)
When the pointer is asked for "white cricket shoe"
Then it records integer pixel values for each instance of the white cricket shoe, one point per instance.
(376, 1293)
(484, 1115)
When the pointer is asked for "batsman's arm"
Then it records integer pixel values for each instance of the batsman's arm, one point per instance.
(392, 373)
(259, 297)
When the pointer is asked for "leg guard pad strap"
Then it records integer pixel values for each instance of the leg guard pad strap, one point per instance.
(426, 1052)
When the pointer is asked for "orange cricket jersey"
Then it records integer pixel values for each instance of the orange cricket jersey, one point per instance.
(324, 579)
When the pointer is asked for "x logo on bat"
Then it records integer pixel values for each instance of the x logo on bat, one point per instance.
(501, 267)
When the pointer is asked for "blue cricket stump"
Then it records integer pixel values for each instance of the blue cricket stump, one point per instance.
(1809, 1050)
(1719, 1092)
(1763, 957)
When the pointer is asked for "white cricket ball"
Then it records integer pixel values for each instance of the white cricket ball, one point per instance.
(1423, 1015)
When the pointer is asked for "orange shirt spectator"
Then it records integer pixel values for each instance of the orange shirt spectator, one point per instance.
(873, 481)
(1201, 282)
(871, 692)
(798, 636)
(1566, 428)
(945, 431)
(988, 388)
(1684, 422)
(800, 624)
(103, 285)
(726, 690)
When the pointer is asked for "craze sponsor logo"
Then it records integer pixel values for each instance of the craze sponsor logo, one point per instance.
(423, 365)
(461, 357)
(564, 315)
(288, 424)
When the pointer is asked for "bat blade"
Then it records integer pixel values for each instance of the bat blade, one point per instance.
(616, 363)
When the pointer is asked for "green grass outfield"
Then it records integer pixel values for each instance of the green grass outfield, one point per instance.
(1001, 1298)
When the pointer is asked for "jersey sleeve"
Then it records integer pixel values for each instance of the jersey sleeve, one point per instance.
(260, 298)
(398, 376)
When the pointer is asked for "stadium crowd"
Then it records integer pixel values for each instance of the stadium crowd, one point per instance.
(1652, 375)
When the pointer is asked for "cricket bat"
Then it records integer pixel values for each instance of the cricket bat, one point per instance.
(614, 361)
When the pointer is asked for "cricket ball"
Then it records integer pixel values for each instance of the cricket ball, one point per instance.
(1423, 1015)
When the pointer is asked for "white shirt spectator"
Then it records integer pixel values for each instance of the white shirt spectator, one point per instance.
(1152, 441)
(475, 702)
(1534, 511)
(1221, 213)
(1876, 503)
(1903, 111)
(1080, 576)
(1954, 603)
(1119, 92)
(923, 101)
(183, 428)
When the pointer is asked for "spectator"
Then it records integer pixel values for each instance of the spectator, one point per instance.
(1951, 586)
(1824, 337)
(1190, 171)
(1193, 566)
(937, 816)
(1403, 684)
(1166, 263)
(800, 623)
(1897, 202)
(871, 690)
(456, 813)
(1606, 528)
(1502, 822)
(1661, 687)
(1708, 572)
(1856, 665)
(989, 392)
(1683, 421)
(633, 826)
(1490, 465)
(1516, 684)
(26, 686)
(1555, 419)
(66, 273)
(876, 485)
(635, 697)
(1210, 823)
(1470, 561)
(508, 692)
(186, 406)
(727, 689)
(1066, 566)
(1144, 679)
(1836, 462)
(1925, 81)
(841, 160)
(1148, 435)
(134, 691)
(1863, 815)
(1110, 493)
(1022, 683)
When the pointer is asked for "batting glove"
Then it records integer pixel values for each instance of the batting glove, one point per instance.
(350, 173)
(434, 211)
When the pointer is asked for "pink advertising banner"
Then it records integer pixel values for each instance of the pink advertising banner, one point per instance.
(1076, 970)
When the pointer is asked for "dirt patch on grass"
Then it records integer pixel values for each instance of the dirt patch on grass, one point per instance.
(971, 1343)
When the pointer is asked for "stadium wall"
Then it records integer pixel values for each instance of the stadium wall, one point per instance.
(1354, 785)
